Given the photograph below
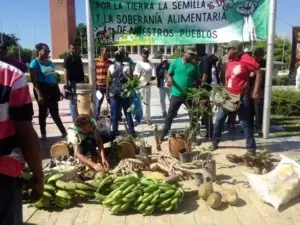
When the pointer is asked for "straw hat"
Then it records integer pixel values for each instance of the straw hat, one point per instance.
(59, 149)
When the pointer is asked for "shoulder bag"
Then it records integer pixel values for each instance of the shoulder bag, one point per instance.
(226, 100)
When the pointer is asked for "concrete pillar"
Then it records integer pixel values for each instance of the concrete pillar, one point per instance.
(165, 50)
(172, 49)
(125, 48)
(209, 48)
(131, 50)
(152, 49)
(157, 47)
(138, 49)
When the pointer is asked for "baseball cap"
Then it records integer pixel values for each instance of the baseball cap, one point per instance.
(118, 53)
(236, 45)
(192, 51)
(145, 51)
(164, 58)
(121, 49)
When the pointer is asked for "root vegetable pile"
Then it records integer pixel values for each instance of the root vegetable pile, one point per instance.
(160, 162)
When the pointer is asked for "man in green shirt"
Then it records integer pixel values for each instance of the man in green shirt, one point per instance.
(183, 74)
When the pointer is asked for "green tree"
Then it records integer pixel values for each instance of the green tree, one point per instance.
(282, 48)
(26, 54)
(9, 39)
(81, 38)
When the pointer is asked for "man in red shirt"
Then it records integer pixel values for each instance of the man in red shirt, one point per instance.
(238, 70)
(18, 143)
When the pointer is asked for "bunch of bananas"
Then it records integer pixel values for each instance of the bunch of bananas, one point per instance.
(144, 195)
(158, 195)
(116, 193)
(124, 192)
(58, 192)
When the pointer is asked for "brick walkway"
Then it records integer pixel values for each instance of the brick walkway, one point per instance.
(250, 210)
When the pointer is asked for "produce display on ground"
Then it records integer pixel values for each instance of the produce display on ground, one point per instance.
(216, 199)
(148, 184)
(159, 162)
(118, 193)
(261, 161)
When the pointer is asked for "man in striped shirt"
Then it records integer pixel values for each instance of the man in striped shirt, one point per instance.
(18, 143)
(102, 64)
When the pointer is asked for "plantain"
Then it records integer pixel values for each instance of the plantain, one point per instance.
(54, 177)
(63, 194)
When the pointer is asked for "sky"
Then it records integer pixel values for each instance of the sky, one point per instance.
(30, 19)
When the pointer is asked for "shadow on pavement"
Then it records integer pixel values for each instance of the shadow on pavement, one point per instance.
(292, 202)
(281, 146)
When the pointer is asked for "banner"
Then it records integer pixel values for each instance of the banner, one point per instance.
(171, 22)
(295, 58)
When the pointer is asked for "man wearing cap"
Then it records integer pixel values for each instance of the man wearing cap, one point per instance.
(162, 80)
(147, 72)
(183, 73)
(238, 70)
(127, 59)
(117, 75)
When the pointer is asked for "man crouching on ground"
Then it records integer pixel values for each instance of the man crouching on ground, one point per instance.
(87, 139)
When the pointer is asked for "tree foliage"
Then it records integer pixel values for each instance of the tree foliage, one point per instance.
(9, 39)
(12, 41)
(81, 38)
(282, 48)
(26, 54)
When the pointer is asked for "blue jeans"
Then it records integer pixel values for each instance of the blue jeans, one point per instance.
(10, 202)
(246, 120)
(73, 103)
(163, 92)
(117, 102)
(100, 101)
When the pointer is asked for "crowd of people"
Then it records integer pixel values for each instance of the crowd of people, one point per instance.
(239, 71)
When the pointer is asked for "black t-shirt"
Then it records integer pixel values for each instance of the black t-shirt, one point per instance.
(206, 65)
(75, 68)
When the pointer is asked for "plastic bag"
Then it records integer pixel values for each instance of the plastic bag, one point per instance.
(278, 186)
(136, 107)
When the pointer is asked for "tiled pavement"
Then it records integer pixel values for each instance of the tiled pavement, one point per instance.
(250, 209)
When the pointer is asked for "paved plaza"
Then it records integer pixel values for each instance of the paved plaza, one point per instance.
(249, 211)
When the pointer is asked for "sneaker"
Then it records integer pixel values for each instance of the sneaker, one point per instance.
(213, 147)
(149, 122)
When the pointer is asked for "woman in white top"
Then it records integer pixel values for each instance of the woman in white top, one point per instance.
(147, 72)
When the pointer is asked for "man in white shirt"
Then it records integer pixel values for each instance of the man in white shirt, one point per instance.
(147, 72)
